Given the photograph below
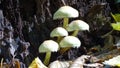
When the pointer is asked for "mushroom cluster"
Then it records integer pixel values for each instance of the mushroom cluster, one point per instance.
(64, 40)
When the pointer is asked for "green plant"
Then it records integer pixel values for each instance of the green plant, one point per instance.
(116, 26)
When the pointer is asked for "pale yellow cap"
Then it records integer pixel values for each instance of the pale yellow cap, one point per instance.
(65, 12)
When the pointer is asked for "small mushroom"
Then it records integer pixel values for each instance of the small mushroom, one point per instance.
(76, 26)
(65, 12)
(59, 32)
(68, 42)
(47, 47)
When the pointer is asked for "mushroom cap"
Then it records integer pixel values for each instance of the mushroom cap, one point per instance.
(48, 46)
(59, 31)
(65, 12)
(77, 25)
(70, 41)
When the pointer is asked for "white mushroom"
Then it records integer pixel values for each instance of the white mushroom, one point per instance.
(59, 31)
(47, 47)
(65, 12)
(76, 26)
(70, 41)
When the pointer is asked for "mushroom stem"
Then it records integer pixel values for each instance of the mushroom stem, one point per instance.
(58, 39)
(47, 58)
(75, 33)
(63, 50)
(65, 23)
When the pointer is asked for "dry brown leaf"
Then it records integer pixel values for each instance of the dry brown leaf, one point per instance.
(17, 64)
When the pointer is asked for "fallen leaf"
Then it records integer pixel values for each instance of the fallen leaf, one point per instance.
(37, 63)
(115, 61)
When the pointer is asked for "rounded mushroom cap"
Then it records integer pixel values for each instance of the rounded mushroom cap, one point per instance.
(59, 31)
(65, 12)
(77, 25)
(70, 41)
(48, 46)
